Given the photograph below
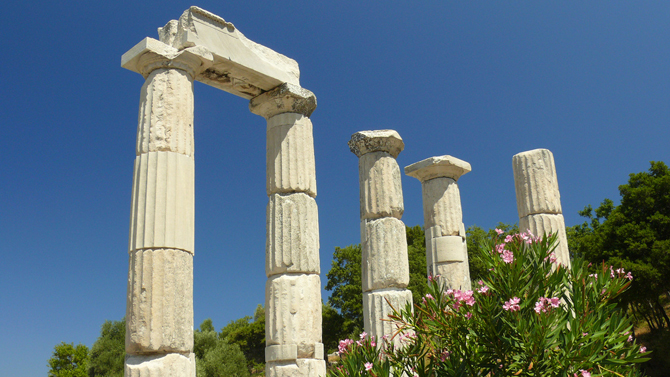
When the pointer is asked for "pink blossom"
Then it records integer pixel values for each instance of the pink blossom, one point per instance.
(363, 335)
(499, 231)
(368, 366)
(552, 258)
(512, 305)
(509, 238)
(468, 316)
(444, 355)
(629, 276)
(585, 334)
(500, 248)
(554, 302)
(429, 296)
(584, 373)
(483, 289)
(344, 344)
(593, 276)
(643, 349)
(630, 338)
(507, 256)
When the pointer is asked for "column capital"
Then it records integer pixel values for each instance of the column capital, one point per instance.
(439, 166)
(286, 98)
(150, 54)
(388, 141)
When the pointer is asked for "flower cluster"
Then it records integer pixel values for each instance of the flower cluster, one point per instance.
(461, 297)
(512, 304)
(620, 272)
(545, 304)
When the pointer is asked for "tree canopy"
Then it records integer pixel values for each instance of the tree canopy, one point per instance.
(108, 352)
(68, 360)
(635, 235)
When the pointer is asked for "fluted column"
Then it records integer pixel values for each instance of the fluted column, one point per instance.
(385, 266)
(446, 249)
(159, 313)
(538, 199)
(293, 289)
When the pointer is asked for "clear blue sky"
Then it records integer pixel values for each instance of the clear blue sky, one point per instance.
(479, 80)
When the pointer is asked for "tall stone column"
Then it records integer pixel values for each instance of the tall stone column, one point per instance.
(293, 289)
(385, 266)
(446, 249)
(538, 199)
(159, 314)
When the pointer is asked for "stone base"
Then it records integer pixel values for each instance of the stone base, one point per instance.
(170, 365)
(297, 368)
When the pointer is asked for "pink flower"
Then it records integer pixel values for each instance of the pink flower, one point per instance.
(468, 316)
(643, 349)
(630, 338)
(554, 302)
(585, 334)
(629, 276)
(552, 258)
(363, 335)
(509, 238)
(593, 276)
(483, 289)
(507, 256)
(584, 373)
(429, 296)
(500, 248)
(368, 366)
(344, 344)
(499, 231)
(512, 305)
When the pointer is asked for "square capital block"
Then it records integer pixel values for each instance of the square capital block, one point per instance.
(388, 141)
(438, 167)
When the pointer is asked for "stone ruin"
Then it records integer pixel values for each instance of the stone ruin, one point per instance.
(201, 46)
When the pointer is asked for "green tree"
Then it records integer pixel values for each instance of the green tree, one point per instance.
(249, 336)
(634, 235)
(108, 351)
(215, 357)
(68, 360)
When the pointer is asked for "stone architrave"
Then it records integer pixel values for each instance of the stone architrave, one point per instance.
(204, 47)
(385, 266)
(538, 199)
(293, 289)
(446, 249)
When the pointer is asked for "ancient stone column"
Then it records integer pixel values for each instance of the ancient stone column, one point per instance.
(385, 266)
(159, 314)
(446, 249)
(293, 288)
(538, 199)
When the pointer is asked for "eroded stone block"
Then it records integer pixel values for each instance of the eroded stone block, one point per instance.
(442, 206)
(292, 243)
(159, 312)
(536, 183)
(166, 113)
(172, 364)
(445, 249)
(380, 186)
(549, 224)
(290, 155)
(388, 141)
(286, 98)
(298, 368)
(378, 305)
(293, 312)
(162, 209)
(438, 167)
(384, 260)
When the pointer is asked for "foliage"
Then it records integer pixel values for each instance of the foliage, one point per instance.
(634, 235)
(477, 238)
(108, 351)
(364, 357)
(69, 361)
(527, 316)
(249, 336)
(215, 356)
